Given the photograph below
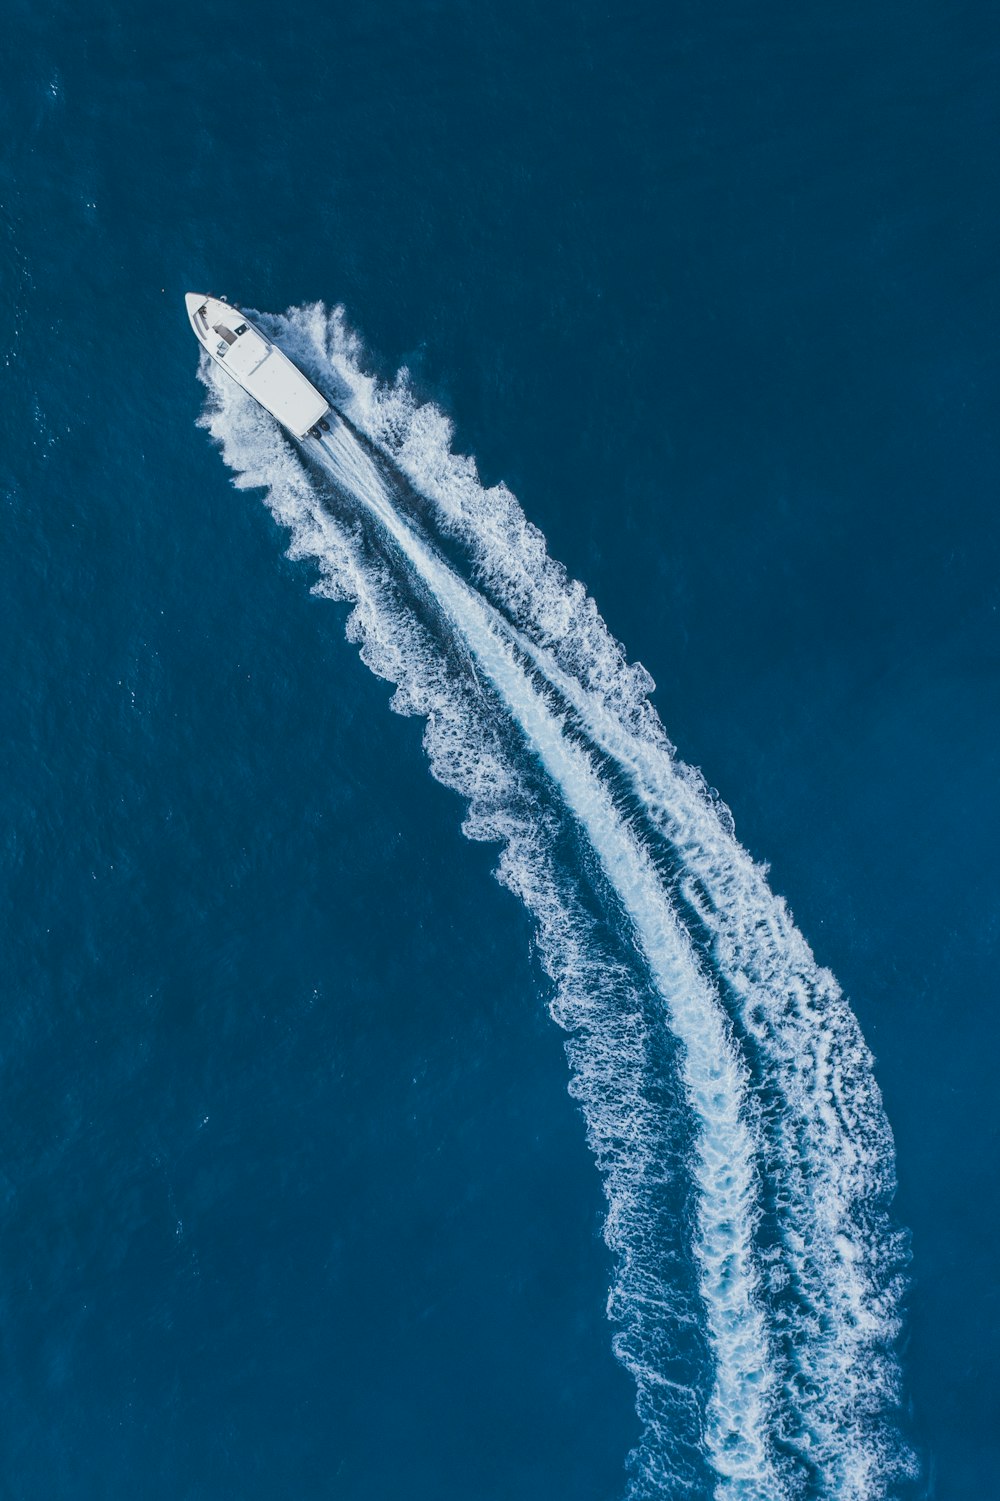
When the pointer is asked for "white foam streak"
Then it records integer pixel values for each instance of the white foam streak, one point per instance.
(737, 1419)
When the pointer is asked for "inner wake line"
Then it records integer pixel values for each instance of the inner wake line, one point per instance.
(736, 1429)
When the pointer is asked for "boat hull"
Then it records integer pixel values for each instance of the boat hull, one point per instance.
(246, 354)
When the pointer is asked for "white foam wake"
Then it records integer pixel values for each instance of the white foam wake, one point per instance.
(737, 1417)
(803, 1362)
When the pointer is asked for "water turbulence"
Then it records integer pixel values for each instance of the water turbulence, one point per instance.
(728, 1095)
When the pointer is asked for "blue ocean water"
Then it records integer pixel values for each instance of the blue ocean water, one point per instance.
(296, 1198)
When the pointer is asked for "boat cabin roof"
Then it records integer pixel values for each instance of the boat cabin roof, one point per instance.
(265, 372)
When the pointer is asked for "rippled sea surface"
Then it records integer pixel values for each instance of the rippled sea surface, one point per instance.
(331, 1166)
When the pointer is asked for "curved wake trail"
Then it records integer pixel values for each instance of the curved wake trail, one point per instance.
(736, 1433)
(797, 1269)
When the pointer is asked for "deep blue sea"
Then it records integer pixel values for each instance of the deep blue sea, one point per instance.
(332, 1166)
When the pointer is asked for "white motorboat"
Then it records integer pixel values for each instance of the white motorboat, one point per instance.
(256, 364)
